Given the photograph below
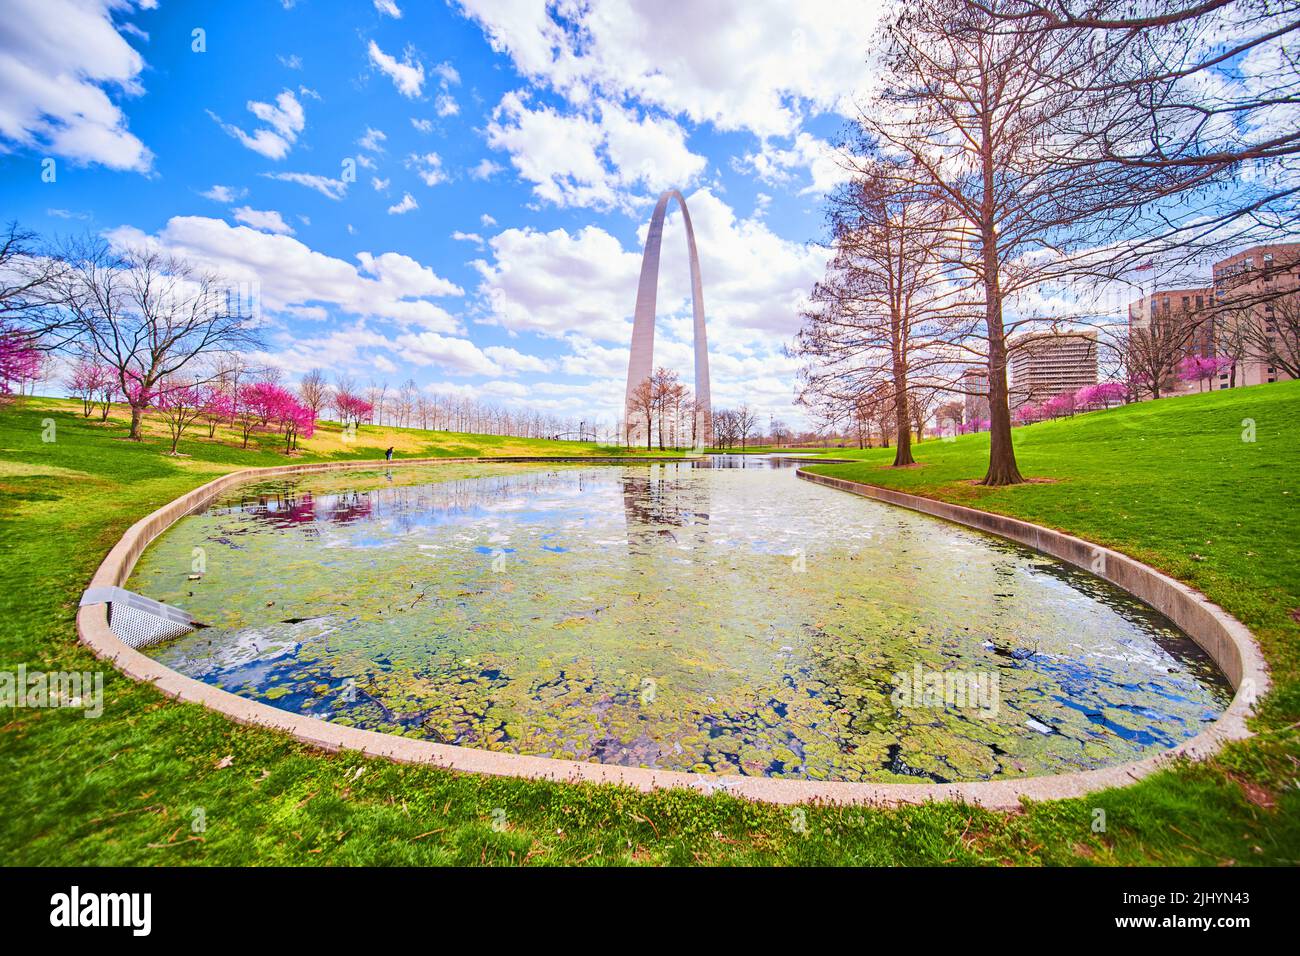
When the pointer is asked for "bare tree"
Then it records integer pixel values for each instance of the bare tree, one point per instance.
(644, 403)
(405, 402)
(885, 311)
(725, 430)
(314, 391)
(150, 316)
(1273, 336)
(746, 424)
(666, 392)
(31, 290)
(1191, 100)
(997, 121)
(1152, 349)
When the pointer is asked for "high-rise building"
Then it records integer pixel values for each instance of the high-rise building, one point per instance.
(1046, 364)
(1235, 320)
(1250, 288)
(975, 383)
(1186, 315)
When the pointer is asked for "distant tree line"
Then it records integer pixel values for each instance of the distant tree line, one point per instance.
(153, 332)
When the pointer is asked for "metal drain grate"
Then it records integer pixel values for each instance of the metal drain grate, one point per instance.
(138, 621)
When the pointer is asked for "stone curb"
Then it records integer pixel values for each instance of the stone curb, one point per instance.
(1228, 642)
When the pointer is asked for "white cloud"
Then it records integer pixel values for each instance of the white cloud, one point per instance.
(511, 360)
(388, 8)
(406, 205)
(379, 184)
(586, 358)
(58, 60)
(597, 159)
(485, 169)
(224, 194)
(447, 74)
(460, 356)
(373, 140)
(428, 167)
(456, 355)
(446, 105)
(758, 65)
(267, 220)
(807, 152)
(473, 237)
(487, 220)
(293, 61)
(407, 76)
(423, 125)
(294, 279)
(558, 282)
(283, 120)
(331, 188)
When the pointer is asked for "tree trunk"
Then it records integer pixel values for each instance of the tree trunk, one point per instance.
(1002, 454)
(136, 413)
(902, 424)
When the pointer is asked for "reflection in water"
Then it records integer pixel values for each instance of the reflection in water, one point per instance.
(722, 617)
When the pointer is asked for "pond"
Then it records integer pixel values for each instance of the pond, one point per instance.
(684, 616)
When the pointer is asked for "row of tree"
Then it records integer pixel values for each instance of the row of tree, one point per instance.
(181, 401)
(1020, 154)
(150, 322)
(152, 331)
(661, 407)
(408, 406)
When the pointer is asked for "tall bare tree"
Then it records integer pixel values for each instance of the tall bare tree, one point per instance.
(886, 311)
(1153, 348)
(746, 423)
(644, 404)
(995, 119)
(149, 316)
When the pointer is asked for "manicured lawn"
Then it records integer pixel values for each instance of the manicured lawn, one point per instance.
(1169, 482)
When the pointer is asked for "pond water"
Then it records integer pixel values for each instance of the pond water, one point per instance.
(689, 617)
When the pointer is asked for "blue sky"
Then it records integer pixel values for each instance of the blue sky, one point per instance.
(451, 192)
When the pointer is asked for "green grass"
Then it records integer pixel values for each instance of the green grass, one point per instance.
(1169, 482)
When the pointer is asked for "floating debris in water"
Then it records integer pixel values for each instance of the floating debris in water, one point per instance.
(649, 616)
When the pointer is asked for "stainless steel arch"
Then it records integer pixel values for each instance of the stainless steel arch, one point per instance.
(641, 362)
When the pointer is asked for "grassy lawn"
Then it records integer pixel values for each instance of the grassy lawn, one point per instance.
(1170, 483)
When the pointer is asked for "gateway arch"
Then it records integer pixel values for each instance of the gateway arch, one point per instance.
(641, 363)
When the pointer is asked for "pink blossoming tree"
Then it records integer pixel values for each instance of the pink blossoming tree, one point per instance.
(20, 361)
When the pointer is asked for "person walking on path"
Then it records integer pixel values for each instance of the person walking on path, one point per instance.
(388, 455)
